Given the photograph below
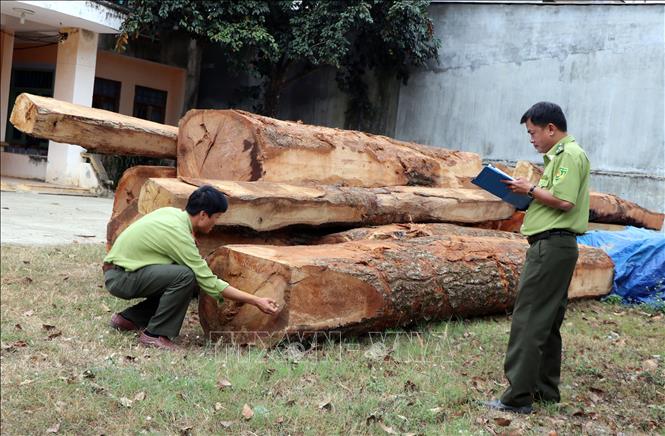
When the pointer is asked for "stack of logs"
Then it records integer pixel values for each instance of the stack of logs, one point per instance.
(349, 232)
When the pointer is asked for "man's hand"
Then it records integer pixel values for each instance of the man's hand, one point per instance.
(519, 185)
(266, 305)
(523, 186)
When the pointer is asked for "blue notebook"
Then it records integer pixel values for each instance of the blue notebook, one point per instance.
(490, 180)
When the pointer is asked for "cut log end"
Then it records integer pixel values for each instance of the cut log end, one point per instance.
(22, 115)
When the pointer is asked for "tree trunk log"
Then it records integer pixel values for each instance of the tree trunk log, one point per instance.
(365, 286)
(125, 212)
(264, 206)
(410, 231)
(131, 182)
(610, 209)
(237, 145)
(94, 129)
(603, 208)
(606, 212)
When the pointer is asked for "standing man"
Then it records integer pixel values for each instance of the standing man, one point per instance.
(558, 213)
(156, 258)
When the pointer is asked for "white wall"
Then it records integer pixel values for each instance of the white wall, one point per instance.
(22, 166)
(605, 65)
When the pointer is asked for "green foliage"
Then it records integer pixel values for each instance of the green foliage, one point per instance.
(280, 41)
(116, 166)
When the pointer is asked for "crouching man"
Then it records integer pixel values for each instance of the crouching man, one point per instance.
(156, 258)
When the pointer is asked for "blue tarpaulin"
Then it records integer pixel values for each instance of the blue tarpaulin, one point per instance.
(639, 262)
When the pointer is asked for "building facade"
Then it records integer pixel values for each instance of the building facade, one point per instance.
(57, 49)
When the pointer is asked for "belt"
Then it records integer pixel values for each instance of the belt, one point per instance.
(547, 234)
(108, 266)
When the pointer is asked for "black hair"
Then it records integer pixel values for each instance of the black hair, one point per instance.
(206, 199)
(543, 113)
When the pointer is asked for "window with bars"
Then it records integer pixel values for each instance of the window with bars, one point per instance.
(37, 82)
(106, 94)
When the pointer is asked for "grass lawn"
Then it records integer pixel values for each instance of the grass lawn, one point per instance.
(64, 371)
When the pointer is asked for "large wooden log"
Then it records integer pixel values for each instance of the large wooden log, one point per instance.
(125, 212)
(606, 212)
(237, 145)
(364, 286)
(207, 243)
(603, 208)
(131, 182)
(412, 230)
(94, 129)
(610, 209)
(265, 206)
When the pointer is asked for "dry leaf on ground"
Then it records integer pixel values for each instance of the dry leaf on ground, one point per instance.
(650, 364)
(387, 429)
(223, 384)
(126, 402)
(325, 405)
(247, 412)
(503, 422)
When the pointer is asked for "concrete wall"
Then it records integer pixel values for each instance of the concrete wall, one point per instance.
(132, 71)
(605, 65)
(22, 166)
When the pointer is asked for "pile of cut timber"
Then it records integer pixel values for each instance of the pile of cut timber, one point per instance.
(418, 240)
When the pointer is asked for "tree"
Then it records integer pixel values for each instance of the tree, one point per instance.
(280, 41)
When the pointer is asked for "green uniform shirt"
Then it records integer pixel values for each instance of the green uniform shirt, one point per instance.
(566, 176)
(164, 237)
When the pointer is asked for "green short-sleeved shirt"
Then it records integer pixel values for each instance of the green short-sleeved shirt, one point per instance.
(566, 176)
(164, 237)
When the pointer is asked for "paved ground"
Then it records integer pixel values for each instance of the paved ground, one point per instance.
(30, 218)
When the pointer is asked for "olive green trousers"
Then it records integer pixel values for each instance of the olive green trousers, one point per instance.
(167, 290)
(533, 359)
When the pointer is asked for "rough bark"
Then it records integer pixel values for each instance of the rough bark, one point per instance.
(94, 129)
(237, 145)
(364, 286)
(411, 230)
(264, 206)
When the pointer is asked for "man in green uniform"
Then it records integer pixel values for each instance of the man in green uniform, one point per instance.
(558, 213)
(156, 258)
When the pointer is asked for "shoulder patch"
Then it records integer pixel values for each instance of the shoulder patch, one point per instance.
(561, 173)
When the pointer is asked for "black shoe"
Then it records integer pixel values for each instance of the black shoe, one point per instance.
(498, 405)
